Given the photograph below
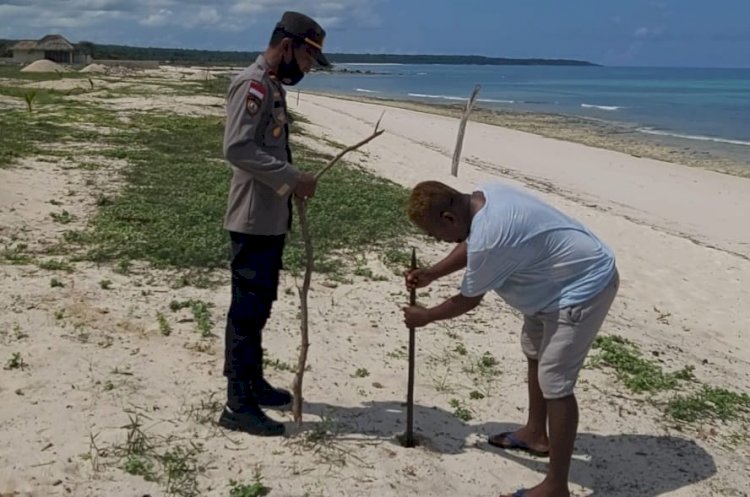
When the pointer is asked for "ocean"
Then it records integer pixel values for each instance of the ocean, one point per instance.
(696, 105)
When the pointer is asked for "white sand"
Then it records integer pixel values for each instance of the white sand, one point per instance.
(94, 353)
(201, 76)
(44, 65)
(95, 68)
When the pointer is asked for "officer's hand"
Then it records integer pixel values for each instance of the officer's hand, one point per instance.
(306, 184)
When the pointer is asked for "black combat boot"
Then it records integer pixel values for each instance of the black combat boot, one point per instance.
(242, 413)
(268, 396)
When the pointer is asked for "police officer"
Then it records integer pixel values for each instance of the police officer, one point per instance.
(258, 216)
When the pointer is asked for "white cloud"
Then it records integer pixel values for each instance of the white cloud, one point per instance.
(330, 15)
(31, 18)
(161, 18)
(644, 33)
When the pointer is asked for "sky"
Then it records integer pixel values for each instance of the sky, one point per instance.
(686, 33)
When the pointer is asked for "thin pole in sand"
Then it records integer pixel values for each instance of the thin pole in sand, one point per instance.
(462, 129)
(409, 437)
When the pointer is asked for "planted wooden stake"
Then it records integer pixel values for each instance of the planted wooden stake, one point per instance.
(409, 437)
(309, 263)
(462, 129)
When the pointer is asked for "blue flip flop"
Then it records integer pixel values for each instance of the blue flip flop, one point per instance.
(519, 493)
(513, 443)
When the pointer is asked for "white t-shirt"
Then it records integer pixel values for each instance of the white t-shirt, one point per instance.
(534, 256)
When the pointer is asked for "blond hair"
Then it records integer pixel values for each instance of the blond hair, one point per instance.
(428, 200)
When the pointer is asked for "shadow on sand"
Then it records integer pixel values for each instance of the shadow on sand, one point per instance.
(611, 465)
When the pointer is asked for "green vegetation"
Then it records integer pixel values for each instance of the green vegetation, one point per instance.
(16, 362)
(254, 489)
(201, 314)
(55, 120)
(170, 211)
(174, 466)
(637, 373)
(460, 410)
(641, 375)
(55, 265)
(710, 403)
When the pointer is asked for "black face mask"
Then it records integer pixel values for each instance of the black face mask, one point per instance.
(289, 73)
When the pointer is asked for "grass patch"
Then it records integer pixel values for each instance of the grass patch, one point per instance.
(460, 410)
(53, 122)
(56, 265)
(164, 327)
(63, 217)
(353, 211)
(201, 314)
(637, 373)
(16, 362)
(277, 364)
(15, 255)
(170, 212)
(710, 403)
(22, 132)
(361, 373)
(174, 466)
(171, 209)
(140, 466)
(254, 489)
(14, 72)
(216, 87)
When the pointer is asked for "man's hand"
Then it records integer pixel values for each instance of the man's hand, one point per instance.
(416, 316)
(418, 278)
(306, 184)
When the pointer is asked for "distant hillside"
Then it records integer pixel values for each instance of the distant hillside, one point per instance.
(182, 55)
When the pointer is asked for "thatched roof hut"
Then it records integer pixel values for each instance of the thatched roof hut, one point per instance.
(53, 47)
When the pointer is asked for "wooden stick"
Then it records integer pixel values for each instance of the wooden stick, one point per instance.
(409, 439)
(357, 145)
(462, 129)
(304, 323)
(305, 289)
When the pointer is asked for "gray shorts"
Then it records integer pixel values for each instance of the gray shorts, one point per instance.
(560, 340)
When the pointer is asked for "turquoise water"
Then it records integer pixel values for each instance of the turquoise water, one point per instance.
(700, 105)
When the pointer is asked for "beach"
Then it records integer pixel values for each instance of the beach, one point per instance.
(720, 157)
(98, 358)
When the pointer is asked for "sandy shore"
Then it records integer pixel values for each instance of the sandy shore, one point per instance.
(721, 157)
(94, 357)
(705, 206)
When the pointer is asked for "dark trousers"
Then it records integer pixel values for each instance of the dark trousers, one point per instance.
(256, 263)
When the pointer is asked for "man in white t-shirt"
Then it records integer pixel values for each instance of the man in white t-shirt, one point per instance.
(541, 262)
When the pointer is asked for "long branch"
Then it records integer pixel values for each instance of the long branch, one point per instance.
(304, 318)
(351, 148)
(305, 289)
(462, 129)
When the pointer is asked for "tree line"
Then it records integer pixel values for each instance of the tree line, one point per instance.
(194, 56)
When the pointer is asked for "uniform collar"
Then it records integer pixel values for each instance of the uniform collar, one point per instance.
(263, 64)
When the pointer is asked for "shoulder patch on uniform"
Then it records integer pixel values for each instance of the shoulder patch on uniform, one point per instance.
(252, 104)
(256, 92)
(256, 89)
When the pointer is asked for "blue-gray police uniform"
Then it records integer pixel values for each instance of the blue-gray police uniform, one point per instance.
(258, 216)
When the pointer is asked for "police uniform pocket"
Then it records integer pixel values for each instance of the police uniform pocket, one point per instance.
(274, 135)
